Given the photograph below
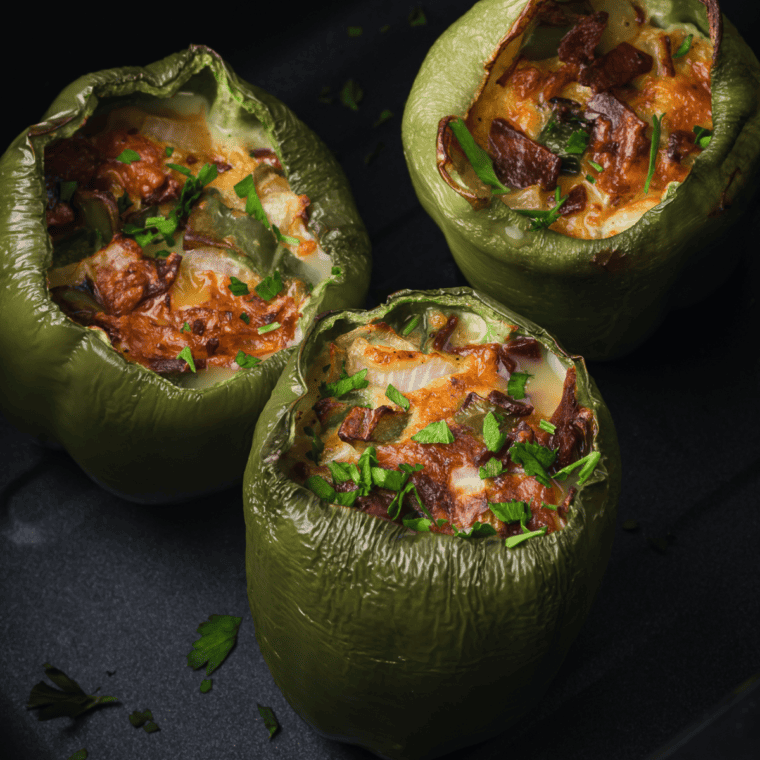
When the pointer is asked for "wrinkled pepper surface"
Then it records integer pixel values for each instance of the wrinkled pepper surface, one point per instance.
(414, 644)
(132, 430)
(600, 297)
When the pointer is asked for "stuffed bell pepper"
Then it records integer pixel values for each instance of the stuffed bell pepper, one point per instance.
(166, 234)
(584, 158)
(430, 503)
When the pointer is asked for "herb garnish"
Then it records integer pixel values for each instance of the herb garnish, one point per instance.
(413, 322)
(206, 685)
(68, 699)
(336, 271)
(479, 158)
(317, 447)
(161, 254)
(344, 384)
(354, 31)
(246, 361)
(513, 541)
(123, 202)
(168, 150)
(596, 166)
(238, 287)
(181, 169)
(245, 318)
(702, 137)
(270, 286)
(516, 384)
(397, 397)
(187, 354)
(384, 116)
(218, 636)
(587, 464)
(542, 219)
(284, 238)
(535, 459)
(269, 720)
(435, 432)
(492, 436)
(128, 156)
(80, 754)
(491, 469)
(684, 47)
(185, 328)
(143, 720)
(590, 179)
(269, 328)
(477, 530)
(326, 492)
(417, 17)
(351, 95)
(656, 127)
(578, 142)
(510, 511)
(547, 426)
(246, 188)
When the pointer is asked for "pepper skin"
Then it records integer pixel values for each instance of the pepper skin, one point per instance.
(414, 644)
(131, 430)
(601, 298)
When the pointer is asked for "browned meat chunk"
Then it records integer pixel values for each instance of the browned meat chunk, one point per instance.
(680, 144)
(576, 201)
(573, 423)
(577, 46)
(361, 423)
(616, 68)
(519, 161)
(509, 404)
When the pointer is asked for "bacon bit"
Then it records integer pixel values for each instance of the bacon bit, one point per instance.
(573, 423)
(524, 346)
(361, 423)
(509, 404)
(505, 360)
(576, 201)
(577, 46)
(442, 336)
(326, 407)
(558, 80)
(616, 68)
(221, 166)
(666, 57)
(526, 80)
(680, 144)
(520, 162)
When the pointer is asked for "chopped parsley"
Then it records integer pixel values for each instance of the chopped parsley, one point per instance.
(269, 720)
(246, 361)
(510, 511)
(578, 142)
(181, 169)
(317, 446)
(547, 426)
(479, 158)
(319, 486)
(344, 384)
(143, 720)
(69, 699)
(206, 685)
(336, 271)
(185, 328)
(246, 188)
(270, 286)
(417, 17)
(513, 541)
(80, 754)
(684, 47)
(409, 326)
(595, 165)
(492, 435)
(238, 287)
(385, 114)
(163, 254)
(245, 318)
(590, 179)
(535, 460)
(477, 530)
(218, 636)
(656, 127)
(271, 327)
(491, 469)
(542, 219)
(351, 95)
(435, 432)
(123, 202)
(187, 355)
(284, 238)
(397, 397)
(702, 137)
(587, 464)
(418, 524)
(516, 385)
(128, 156)
(168, 150)
(355, 31)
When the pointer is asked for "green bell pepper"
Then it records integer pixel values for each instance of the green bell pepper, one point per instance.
(414, 644)
(600, 297)
(130, 429)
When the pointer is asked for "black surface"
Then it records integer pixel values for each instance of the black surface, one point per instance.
(96, 585)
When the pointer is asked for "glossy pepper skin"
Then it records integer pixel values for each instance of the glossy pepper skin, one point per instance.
(601, 298)
(131, 430)
(414, 644)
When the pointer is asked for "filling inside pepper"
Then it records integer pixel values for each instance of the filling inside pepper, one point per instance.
(180, 241)
(590, 113)
(444, 424)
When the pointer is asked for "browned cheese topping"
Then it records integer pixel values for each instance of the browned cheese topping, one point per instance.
(194, 287)
(449, 375)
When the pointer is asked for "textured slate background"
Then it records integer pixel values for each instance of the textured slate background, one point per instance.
(94, 584)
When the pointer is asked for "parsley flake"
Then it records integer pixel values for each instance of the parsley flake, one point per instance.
(493, 438)
(479, 158)
(409, 327)
(535, 459)
(656, 127)
(238, 287)
(491, 469)
(326, 492)
(245, 318)
(317, 447)
(246, 361)
(397, 397)
(516, 385)
(596, 166)
(590, 179)
(181, 169)
(128, 156)
(702, 137)
(587, 464)
(206, 685)
(68, 188)
(80, 754)
(435, 432)
(510, 511)
(269, 720)
(185, 328)
(218, 636)
(68, 699)
(143, 720)
(513, 541)
(385, 114)
(270, 286)
(187, 354)
(351, 95)
(271, 327)
(543, 219)
(344, 384)
(684, 47)
(163, 254)
(417, 17)
(168, 150)
(418, 524)
(246, 188)
(578, 142)
(336, 271)
(547, 426)
(290, 240)
(354, 31)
